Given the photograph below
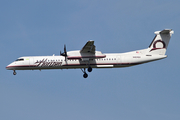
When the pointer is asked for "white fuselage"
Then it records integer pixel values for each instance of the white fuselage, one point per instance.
(89, 58)
(59, 62)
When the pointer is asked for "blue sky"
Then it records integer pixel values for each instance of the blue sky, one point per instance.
(42, 27)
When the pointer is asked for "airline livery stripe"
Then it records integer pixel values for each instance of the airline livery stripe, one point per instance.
(70, 65)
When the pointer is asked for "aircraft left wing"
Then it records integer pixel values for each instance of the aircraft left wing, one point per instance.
(89, 47)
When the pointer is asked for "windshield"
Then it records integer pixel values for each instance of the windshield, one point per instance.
(20, 59)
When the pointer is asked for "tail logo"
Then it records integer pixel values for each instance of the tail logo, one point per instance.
(159, 44)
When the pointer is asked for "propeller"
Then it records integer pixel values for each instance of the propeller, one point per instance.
(64, 53)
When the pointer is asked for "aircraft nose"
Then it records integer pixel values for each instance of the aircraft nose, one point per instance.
(9, 67)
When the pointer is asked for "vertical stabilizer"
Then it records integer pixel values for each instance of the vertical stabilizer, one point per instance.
(160, 42)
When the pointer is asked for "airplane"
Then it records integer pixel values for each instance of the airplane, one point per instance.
(88, 57)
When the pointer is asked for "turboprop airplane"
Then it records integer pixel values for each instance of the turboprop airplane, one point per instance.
(88, 57)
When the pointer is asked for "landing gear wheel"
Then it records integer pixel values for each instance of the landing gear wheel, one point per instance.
(89, 69)
(85, 75)
(14, 73)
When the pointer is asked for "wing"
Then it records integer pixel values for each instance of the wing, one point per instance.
(86, 53)
(89, 47)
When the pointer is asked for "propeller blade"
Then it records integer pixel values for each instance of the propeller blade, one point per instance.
(64, 47)
(65, 52)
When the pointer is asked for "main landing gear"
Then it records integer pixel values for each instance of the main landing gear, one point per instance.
(85, 75)
(14, 72)
(89, 69)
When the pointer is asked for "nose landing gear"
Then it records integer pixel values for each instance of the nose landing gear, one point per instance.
(14, 72)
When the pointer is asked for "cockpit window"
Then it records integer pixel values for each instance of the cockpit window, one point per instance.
(21, 59)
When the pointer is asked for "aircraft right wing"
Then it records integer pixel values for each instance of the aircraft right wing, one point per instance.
(89, 47)
(86, 53)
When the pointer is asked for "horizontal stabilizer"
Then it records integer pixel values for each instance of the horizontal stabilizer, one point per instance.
(166, 31)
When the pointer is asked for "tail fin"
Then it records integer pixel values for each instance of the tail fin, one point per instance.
(160, 42)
